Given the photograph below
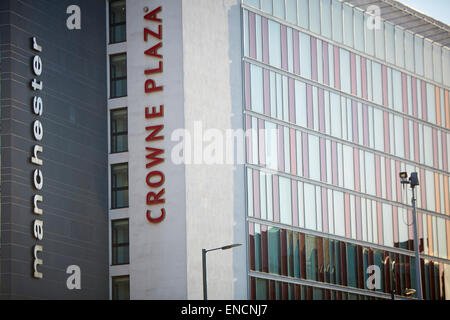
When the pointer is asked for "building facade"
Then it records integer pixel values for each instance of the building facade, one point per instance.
(341, 97)
(166, 127)
(53, 151)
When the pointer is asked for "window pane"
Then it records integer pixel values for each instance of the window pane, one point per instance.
(121, 288)
(256, 90)
(359, 30)
(326, 18)
(266, 6)
(390, 43)
(369, 35)
(303, 14)
(278, 9)
(348, 26)
(305, 55)
(379, 41)
(119, 186)
(118, 75)
(120, 242)
(428, 58)
(337, 21)
(409, 51)
(285, 201)
(345, 70)
(274, 44)
(291, 11)
(314, 13)
(117, 21)
(418, 49)
(437, 62)
(119, 130)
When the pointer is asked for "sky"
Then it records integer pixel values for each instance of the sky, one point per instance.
(437, 9)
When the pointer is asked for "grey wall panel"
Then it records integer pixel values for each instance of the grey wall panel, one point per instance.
(75, 149)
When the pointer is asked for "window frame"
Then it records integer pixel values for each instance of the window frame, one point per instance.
(116, 24)
(115, 79)
(115, 245)
(114, 189)
(115, 135)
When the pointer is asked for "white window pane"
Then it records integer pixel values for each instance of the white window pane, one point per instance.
(285, 201)
(274, 44)
(314, 157)
(310, 206)
(339, 213)
(305, 55)
(337, 21)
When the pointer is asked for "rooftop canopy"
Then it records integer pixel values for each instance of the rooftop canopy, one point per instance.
(408, 18)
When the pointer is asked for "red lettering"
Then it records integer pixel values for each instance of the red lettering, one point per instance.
(153, 113)
(153, 157)
(152, 174)
(154, 131)
(152, 16)
(156, 220)
(153, 33)
(153, 51)
(153, 198)
(158, 70)
(150, 86)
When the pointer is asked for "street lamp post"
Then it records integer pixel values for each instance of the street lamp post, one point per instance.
(204, 252)
(413, 181)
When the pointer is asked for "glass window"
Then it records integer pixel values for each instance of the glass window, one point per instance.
(266, 6)
(303, 13)
(348, 26)
(291, 11)
(399, 139)
(345, 71)
(326, 18)
(377, 83)
(300, 104)
(119, 185)
(336, 127)
(379, 41)
(310, 206)
(397, 90)
(437, 62)
(305, 55)
(379, 129)
(337, 21)
(387, 225)
(314, 13)
(399, 48)
(431, 103)
(349, 173)
(121, 288)
(278, 9)
(120, 242)
(253, 3)
(314, 157)
(359, 30)
(285, 201)
(369, 35)
(390, 43)
(311, 258)
(428, 58)
(271, 145)
(339, 213)
(274, 44)
(119, 130)
(370, 173)
(118, 75)
(256, 89)
(446, 65)
(117, 21)
(409, 51)
(273, 239)
(418, 50)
